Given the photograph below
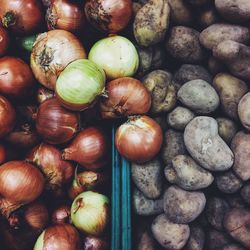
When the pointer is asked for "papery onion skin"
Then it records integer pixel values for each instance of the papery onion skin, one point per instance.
(109, 16)
(48, 159)
(16, 78)
(22, 17)
(54, 123)
(61, 215)
(79, 84)
(126, 96)
(65, 15)
(139, 139)
(89, 148)
(75, 189)
(63, 237)
(4, 41)
(44, 94)
(94, 243)
(89, 213)
(20, 183)
(7, 117)
(116, 55)
(52, 52)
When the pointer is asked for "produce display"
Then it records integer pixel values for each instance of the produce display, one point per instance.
(171, 77)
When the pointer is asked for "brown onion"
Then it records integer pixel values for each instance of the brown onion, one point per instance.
(89, 148)
(48, 159)
(95, 243)
(24, 137)
(7, 117)
(3, 154)
(61, 215)
(139, 139)
(27, 113)
(56, 124)
(20, 183)
(22, 17)
(4, 41)
(109, 16)
(52, 52)
(63, 237)
(126, 96)
(16, 78)
(44, 94)
(65, 15)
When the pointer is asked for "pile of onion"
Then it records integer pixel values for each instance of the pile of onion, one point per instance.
(4, 41)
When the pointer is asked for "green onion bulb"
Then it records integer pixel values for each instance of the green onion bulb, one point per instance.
(79, 84)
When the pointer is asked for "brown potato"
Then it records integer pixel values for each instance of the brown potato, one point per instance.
(227, 128)
(207, 17)
(197, 238)
(244, 111)
(245, 193)
(216, 240)
(215, 66)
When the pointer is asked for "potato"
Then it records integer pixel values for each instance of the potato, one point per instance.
(163, 92)
(206, 146)
(235, 201)
(179, 118)
(241, 148)
(215, 66)
(197, 2)
(230, 90)
(215, 212)
(187, 174)
(145, 206)
(182, 206)
(148, 178)
(227, 182)
(245, 193)
(197, 238)
(180, 13)
(151, 22)
(234, 10)
(168, 234)
(244, 112)
(207, 17)
(146, 242)
(217, 240)
(173, 145)
(183, 45)
(236, 57)
(199, 96)
(227, 129)
(237, 224)
(233, 247)
(189, 72)
(216, 33)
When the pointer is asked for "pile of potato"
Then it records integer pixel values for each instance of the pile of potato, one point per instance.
(195, 61)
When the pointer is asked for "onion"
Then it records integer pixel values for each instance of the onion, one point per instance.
(44, 94)
(24, 137)
(61, 215)
(116, 55)
(80, 84)
(89, 212)
(63, 237)
(26, 43)
(22, 17)
(16, 78)
(65, 15)
(27, 113)
(139, 139)
(20, 183)
(94, 243)
(109, 16)
(126, 96)
(46, 3)
(7, 117)
(48, 159)
(51, 53)
(56, 124)
(75, 189)
(89, 149)
(3, 154)
(4, 41)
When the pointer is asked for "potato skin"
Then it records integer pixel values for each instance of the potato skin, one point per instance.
(233, 247)
(227, 129)
(244, 112)
(197, 238)
(207, 17)
(216, 240)
(245, 193)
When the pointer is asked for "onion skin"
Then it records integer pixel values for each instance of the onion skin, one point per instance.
(110, 16)
(27, 113)
(16, 78)
(65, 15)
(4, 41)
(126, 96)
(22, 17)
(44, 94)
(61, 215)
(7, 117)
(3, 154)
(89, 148)
(55, 124)
(48, 159)
(139, 139)
(51, 53)
(94, 243)
(20, 183)
(63, 237)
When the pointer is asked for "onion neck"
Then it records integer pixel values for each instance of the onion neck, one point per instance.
(9, 19)
(7, 207)
(68, 154)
